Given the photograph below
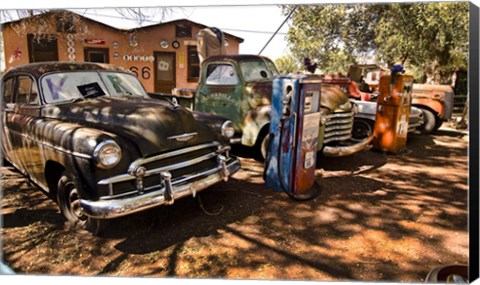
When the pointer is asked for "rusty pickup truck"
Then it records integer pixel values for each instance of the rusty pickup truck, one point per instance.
(239, 87)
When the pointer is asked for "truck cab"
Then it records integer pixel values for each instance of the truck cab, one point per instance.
(239, 87)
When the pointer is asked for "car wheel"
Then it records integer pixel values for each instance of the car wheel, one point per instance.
(429, 122)
(438, 124)
(261, 145)
(264, 146)
(362, 129)
(96, 226)
(68, 199)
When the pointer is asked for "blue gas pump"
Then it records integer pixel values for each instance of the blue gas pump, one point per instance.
(293, 137)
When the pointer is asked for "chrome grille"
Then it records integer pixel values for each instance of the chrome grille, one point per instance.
(338, 127)
(180, 163)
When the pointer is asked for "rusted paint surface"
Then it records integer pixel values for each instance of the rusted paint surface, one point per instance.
(333, 98)
(246, 103)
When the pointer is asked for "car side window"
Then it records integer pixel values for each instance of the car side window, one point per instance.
(26, 91)
(7, 91)
(221, 74)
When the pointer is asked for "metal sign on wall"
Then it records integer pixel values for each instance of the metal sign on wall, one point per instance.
(95, 41)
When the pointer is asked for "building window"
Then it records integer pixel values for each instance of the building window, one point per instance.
(183, 31)
(99, 55)
(193, 64)
(42, 49)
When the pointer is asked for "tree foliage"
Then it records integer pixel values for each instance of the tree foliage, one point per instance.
(145, 16)
(432, 37)
(31, 22)
(288, 64)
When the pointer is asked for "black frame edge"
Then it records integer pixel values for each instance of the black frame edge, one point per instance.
(473, 85)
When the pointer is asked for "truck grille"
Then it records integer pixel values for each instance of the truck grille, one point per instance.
(179, 163)
(338, 127)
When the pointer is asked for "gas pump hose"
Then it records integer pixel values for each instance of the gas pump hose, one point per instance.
(293, 196)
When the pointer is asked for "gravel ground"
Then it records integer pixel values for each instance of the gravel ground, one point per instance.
(378, 218)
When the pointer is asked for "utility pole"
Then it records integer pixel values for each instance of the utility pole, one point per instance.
(274, 34)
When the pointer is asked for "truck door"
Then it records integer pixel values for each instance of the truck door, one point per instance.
(221, 92)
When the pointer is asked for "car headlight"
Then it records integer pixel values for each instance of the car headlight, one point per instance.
(228, 129)
(107, 154)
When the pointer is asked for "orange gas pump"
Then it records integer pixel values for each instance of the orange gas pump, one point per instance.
(393, 110)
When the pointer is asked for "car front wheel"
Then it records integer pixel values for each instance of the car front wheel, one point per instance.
(68, 199)
(430, 122)
(362, 129)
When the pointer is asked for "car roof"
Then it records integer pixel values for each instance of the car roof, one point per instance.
(235, 57)
(39, 68)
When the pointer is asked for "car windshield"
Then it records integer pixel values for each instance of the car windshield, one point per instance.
(255, 70)
(70, 86)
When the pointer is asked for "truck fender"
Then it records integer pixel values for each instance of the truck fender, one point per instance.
(434, 106)
(254, 121)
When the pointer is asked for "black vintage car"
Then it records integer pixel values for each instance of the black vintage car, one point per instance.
(89, 135)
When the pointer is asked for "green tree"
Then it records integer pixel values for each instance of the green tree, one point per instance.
(432, 37)
(288, 64)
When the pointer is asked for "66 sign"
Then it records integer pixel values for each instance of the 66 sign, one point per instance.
(145, 72)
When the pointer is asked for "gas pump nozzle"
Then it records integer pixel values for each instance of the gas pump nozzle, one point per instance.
(287, 106)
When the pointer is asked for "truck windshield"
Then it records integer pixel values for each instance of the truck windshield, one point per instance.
(69, 86)
(122, 84)
(256, 70)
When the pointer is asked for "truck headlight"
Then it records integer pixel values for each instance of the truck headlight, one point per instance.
(355, 108)
(323, 119)
(107, 154)
(228, 129)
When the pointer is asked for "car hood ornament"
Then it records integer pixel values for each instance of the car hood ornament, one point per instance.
(183, 137)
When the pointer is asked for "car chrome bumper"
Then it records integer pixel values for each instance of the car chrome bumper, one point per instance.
(336, 151)
(174, 189)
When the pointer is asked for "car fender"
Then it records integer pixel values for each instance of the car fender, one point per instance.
(71, 145)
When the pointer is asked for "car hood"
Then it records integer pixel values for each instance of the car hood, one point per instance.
(149, 123)
(333, 98)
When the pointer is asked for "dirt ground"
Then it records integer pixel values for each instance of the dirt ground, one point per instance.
(378, 218)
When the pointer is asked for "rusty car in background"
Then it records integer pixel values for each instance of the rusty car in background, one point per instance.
(89, 136)
(366, 105)
(436, 101)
